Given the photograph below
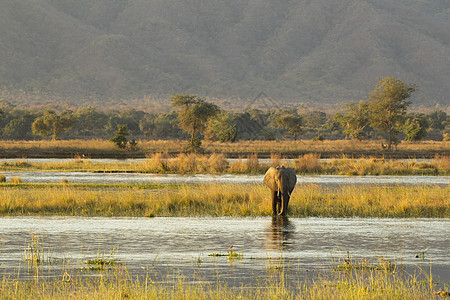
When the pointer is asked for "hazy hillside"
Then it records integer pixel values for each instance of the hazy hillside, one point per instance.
(318, 51)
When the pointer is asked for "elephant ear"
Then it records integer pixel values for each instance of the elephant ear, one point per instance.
(269, 179)
(292, 179)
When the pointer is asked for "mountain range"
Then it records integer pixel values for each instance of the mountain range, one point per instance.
(321, 51)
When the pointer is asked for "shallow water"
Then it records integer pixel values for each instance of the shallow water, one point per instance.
(304, 246)
(325, 180)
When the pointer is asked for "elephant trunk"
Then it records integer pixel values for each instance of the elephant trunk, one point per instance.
(283, 204)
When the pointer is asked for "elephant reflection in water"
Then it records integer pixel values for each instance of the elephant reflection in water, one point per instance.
(280, 233)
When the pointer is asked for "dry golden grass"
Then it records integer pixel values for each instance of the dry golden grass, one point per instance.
(225, 200)
(218, 164)
(120, 283)
(175, 146)
(308, 163)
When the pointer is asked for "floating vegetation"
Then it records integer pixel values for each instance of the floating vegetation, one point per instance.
(102, 263)
(230, 255)
(215, 254)
(364, 264)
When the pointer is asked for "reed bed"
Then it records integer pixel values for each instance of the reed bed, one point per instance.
(119, 284)
(250, 164)
(224, 200)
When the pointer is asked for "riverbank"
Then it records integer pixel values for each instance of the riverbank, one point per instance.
(221, 200)
(163, 163)
(264, 149)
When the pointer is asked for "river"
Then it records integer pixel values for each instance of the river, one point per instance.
(325, 180)
(167, 246)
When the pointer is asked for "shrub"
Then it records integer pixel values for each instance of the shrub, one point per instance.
(158, 162)
(218, 163)
(275, 160)
(253, 163)
(308, 163)
(16, 180)
(238, 166)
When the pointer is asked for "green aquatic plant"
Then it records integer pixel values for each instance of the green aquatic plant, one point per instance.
(364, 264)
(215, 254)
(102, 262)
(231, 254)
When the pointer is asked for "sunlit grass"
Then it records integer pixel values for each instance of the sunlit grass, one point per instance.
(223, 200)
(119, 283)
(250, 164)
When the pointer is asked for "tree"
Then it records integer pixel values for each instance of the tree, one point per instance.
(20, 127)
(315, 119)
(437, 119)
(223, 127)
(193, 115)
(388, 105)
(124, 118)
(292, 123)
(89, 121)
(355, 119)
(120, 137)
(416, 127)
(52, 124)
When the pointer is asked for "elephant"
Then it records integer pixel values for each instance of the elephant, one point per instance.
(281, 182)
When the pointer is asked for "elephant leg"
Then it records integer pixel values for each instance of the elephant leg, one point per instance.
(287, 203)
(284, 204)
(274, 202)
(279, 205)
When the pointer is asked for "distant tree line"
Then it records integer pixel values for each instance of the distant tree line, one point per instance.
(383, 115)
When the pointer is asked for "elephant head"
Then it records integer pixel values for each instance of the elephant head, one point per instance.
(281, 182)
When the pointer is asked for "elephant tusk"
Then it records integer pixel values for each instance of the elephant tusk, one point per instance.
(289, 194)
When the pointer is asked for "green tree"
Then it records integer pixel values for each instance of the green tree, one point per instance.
(120, 136)
(52, 124)
(20, 127)
(129, 118)
(416, 127)
(315, 119)
(193, 115)
(437, 119)
(89, 122)
(291, 123)
(388, 105)
(223, 127)
(355, 120)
